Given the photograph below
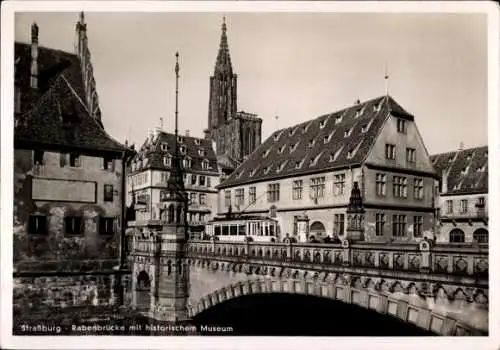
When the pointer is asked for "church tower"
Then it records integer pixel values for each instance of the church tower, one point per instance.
(222, 103)
(234, 134)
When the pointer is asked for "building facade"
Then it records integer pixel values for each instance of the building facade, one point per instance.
(67, 169)
(235, 134)
(150, 170)
(363, 169)
(463, 202)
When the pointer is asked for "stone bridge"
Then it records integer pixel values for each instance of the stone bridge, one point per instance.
(442, 288)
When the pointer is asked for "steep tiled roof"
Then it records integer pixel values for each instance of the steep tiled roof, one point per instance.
(55, 114)
(152, 152)
(330, 141)
(467, 170)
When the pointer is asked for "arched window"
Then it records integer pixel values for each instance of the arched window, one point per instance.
(317, 229)
(272, 211)
(179, 214)
(143, 282)
(480, 235)
(457, 236)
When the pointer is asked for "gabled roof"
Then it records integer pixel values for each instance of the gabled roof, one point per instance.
(333, 140)
(151, 154)
(466, 170)
(55, 113)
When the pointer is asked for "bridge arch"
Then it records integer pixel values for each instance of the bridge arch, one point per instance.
(400, 299)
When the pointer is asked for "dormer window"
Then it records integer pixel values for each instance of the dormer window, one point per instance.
(182, 149)
(298, 164)
(322, 124)
(338, 120)
(366, 127)
(291, 131)
(277, 136)
(187, 162)
(252, 173)
(180, 139)
(164, 146)
(482, 169)
(378, 106)
(167, 161)
(266, 153)
(266, 169)
(293, 147)
(348, 132)
(311, 143)
(326, 139)
(314, 160)
(465, 170)
(281, 149)
(201, 152)
(357, 114)
(334, 156)
(282, 166)
(205, 164)
(353, 151)
(197, 142)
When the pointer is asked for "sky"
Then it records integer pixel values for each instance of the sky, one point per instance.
(296, 66)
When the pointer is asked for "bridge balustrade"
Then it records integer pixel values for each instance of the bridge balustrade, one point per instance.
(455, 259)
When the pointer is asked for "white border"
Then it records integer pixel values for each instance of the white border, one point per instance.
(112, 342)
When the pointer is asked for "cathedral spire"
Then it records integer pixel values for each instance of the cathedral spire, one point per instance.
(223, 57)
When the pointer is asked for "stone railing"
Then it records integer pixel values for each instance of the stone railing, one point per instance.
(425, 257)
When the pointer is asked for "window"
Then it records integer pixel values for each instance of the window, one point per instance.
(480, 202)
(379, 224)
(480, 236)
(73, 225)
(187, 163)
(339, 184)
(227, 198)
(401, 125)
(411, 155)
(193, 179)
(164, 146)
(197, 142)
(338, 227)
(209, 181)
(180, 139)
(348, 132)
(457, 236)
(108, 193)
(74, 160)
(418, 222)
(203, 198)
(108, 163)
(464, 203)
(418, 188)
(322, 124)
(182, 149)
(167, 161)
(106, 226)
(38, 158)
(240, 196)
(273, 192)
(201, 179)
(252, 195)
(390, 151)
(192, 198)
(400, 187)
(398, 225)
(201, 151)
(449, 206)
(37, 224)
(317, 187)
(205, 165)
(380, 182)
(297, 189)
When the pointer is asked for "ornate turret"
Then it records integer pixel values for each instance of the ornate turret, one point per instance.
(355, 215)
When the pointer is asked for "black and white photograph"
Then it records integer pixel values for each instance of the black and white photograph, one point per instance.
(229, 171)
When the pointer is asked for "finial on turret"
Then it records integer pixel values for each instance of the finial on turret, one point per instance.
(224, 28)
(34, 32)
(177, 63)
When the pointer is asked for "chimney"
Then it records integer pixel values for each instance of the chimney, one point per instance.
(187, 133)
(444, 181)
(150, 135)
(34, 56)
(461, 146)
